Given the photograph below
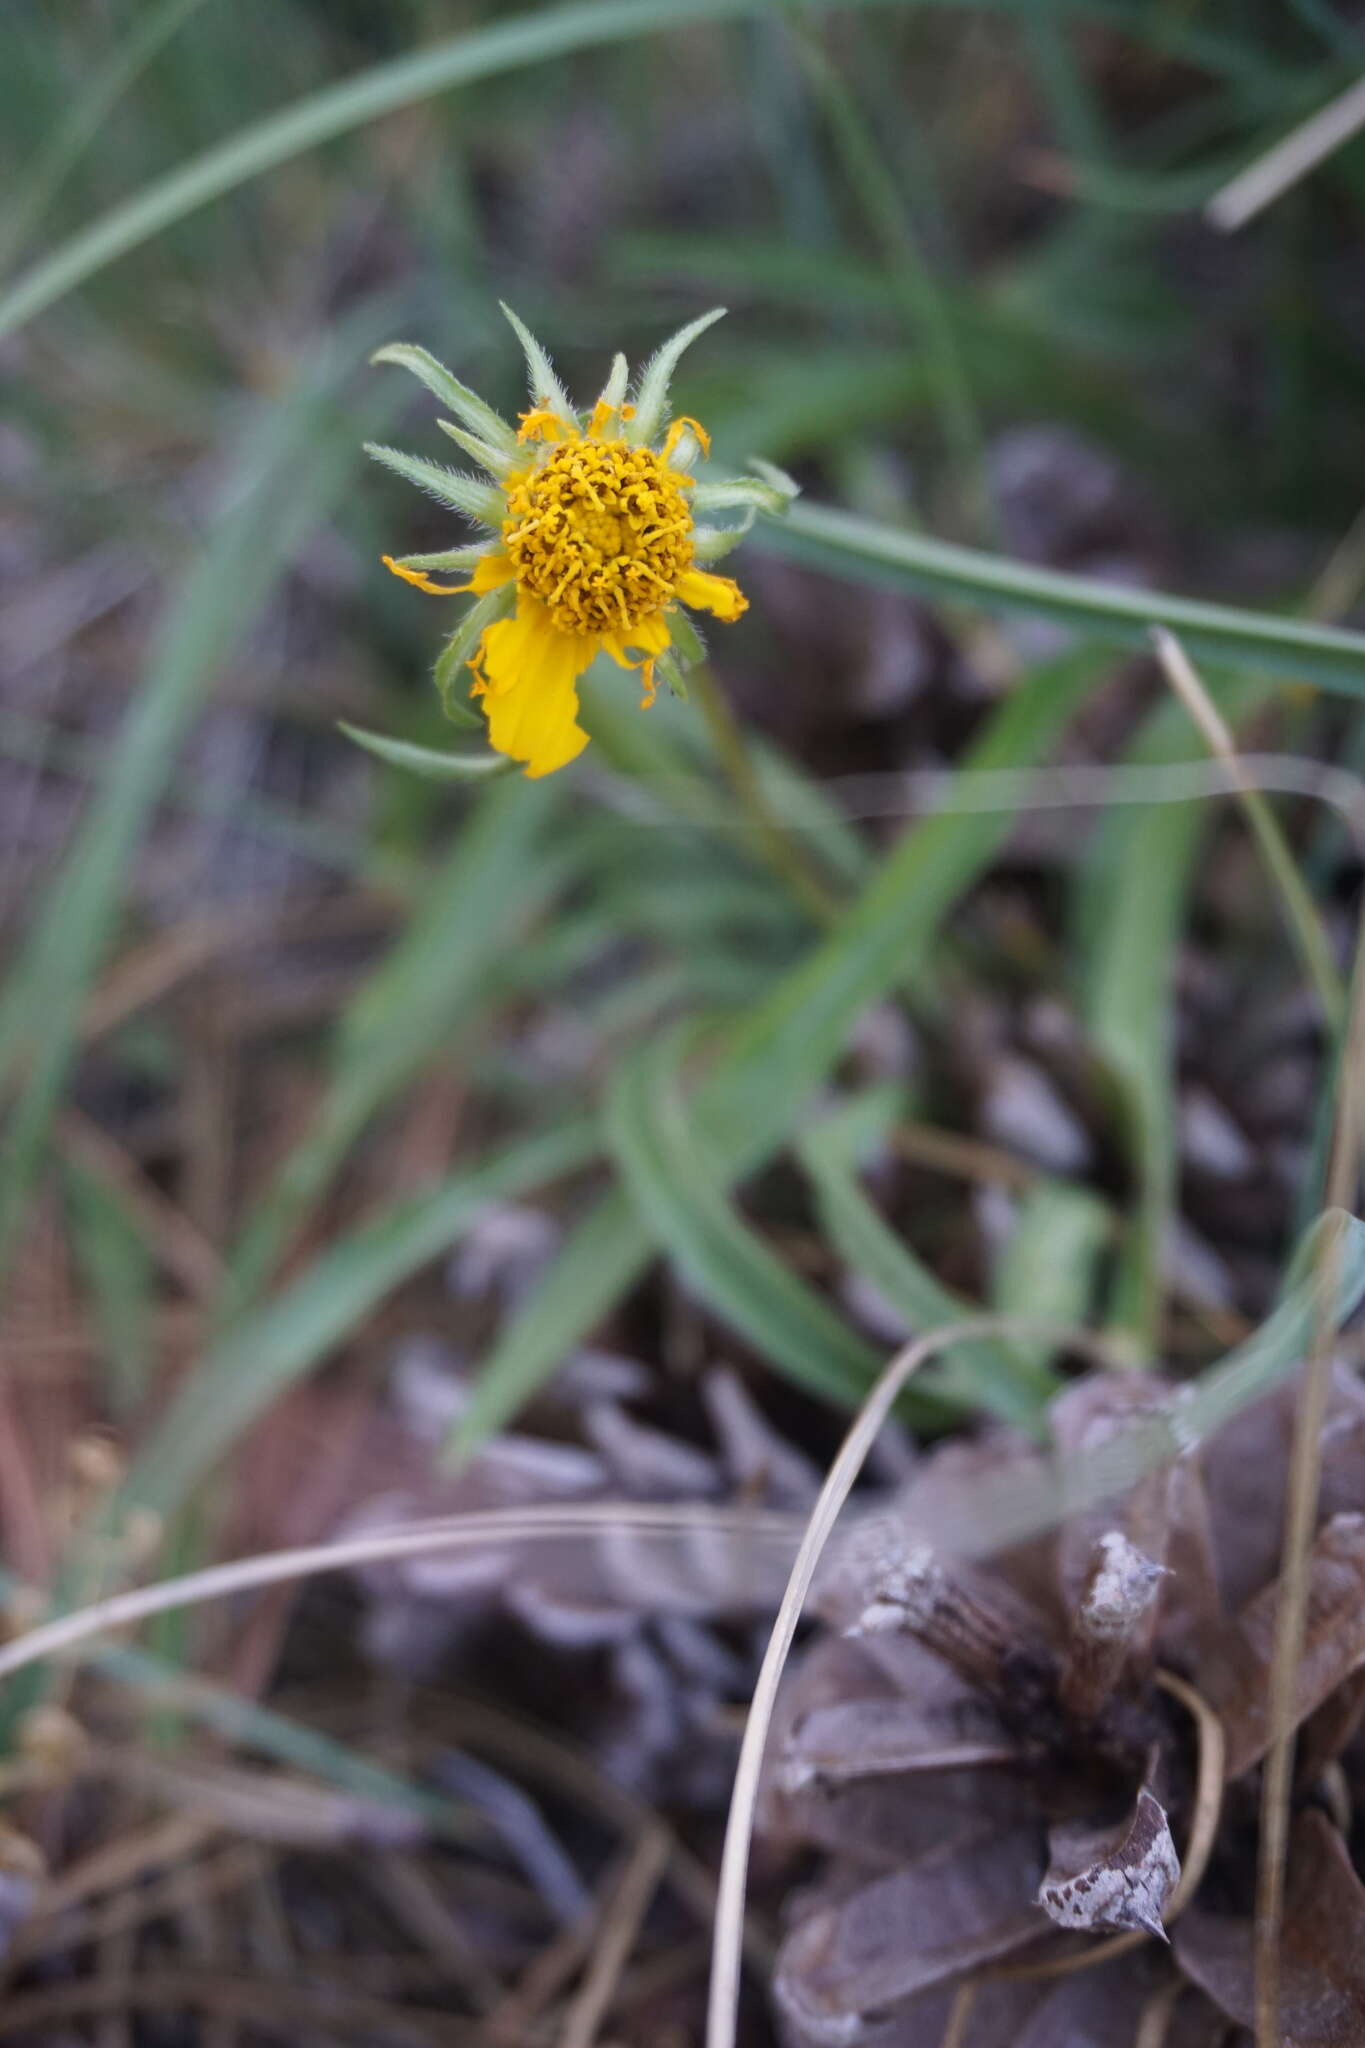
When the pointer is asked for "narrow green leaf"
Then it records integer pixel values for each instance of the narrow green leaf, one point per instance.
(478, 416)
(496, 461)
(737, 490)
(1020, 1505)
(116, 1263)
(499, 46)
(427, 761)
(618, 378)
(296, 462)
(752, 1100)
(103, 85)
(988, 1374)
(714, 543)
(894, 558)
(469, 495)
(651, 404)
(680, 1193)
(541, 380)
(1047, 1271)
(1133, 892)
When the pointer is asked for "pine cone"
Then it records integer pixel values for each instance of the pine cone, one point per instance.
(999, 1762)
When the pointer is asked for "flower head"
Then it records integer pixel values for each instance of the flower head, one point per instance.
(596, 542)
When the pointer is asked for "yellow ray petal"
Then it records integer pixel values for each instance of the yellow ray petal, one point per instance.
(421, 580)
(543, 423)
(684, 424)
(648, 636)
(527, 671)
(490, 573)
(718, 594)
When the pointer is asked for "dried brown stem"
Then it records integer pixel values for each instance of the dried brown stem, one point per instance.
(1301, 1513)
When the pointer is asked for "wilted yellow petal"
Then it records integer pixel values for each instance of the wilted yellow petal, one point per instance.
(718, 594)
(527, 672)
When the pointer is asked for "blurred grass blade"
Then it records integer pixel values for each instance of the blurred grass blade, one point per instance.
(1134, 888)
(986, 1373)
(499, 873)
(258, 1360)
(296, 463)
(740, 1278)
(499, 46)
(1024, 1504)
(33, 192)
(894, 558)
(752, 1100)
(1046, 1273)
(429, 762)
(118, 1270)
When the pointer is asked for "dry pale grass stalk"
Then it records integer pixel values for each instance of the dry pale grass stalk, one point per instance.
(622, 1915)
(1300, 1520)
(1073, 786)
(1292, 158)
(455, 1532)
(1300, 914)
(723, 2001)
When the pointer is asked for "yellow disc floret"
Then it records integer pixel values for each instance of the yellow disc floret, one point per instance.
(601, 534)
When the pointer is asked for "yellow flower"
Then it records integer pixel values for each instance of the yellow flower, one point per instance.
(596, 542)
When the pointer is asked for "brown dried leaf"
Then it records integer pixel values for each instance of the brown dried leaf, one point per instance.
(910, 1931)
(1322, 1953)
(861, 1738)
(1235, 1666)
(1096, 2008)
(1115, 1877)
(878, 1823)
(1245, 1470)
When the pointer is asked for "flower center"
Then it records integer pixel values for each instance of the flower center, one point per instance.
(600, 533)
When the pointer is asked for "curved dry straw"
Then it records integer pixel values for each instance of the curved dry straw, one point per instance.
(726, 1954)
(414, 1539)
(1078, 786)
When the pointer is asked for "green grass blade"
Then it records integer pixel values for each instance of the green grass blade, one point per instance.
(500, 46)
(680, 1193)
(751, 1101)
(988, 1375)
(1022, 1505)
(894, 558)
(296, 465)
(1047, 1270)
(117, 1266)
(43, 178)
(266, 1353)
(1134, 890)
